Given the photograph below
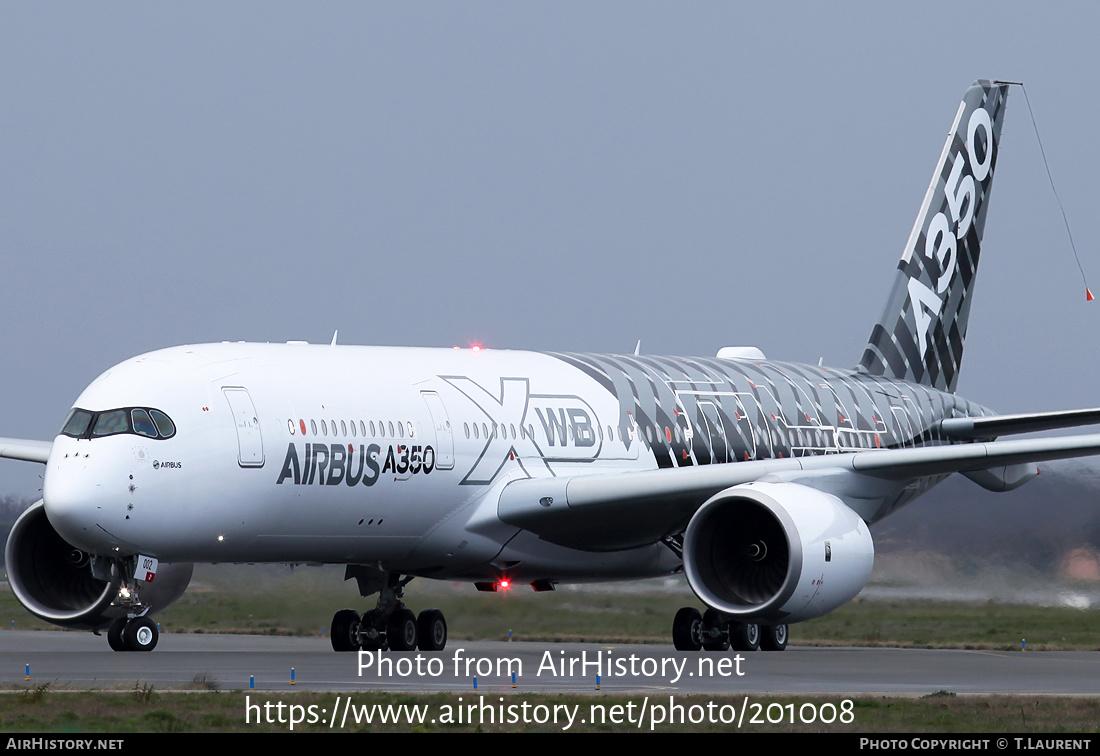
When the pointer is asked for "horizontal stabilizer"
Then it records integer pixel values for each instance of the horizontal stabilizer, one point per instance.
(26, 450)
(1007, 425)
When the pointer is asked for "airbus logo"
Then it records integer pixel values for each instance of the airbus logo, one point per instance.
(333, 464)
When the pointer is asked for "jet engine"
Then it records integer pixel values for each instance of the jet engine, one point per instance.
(776, 552)
(54, 581)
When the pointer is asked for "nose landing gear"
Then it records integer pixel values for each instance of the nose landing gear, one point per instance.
(135, 631)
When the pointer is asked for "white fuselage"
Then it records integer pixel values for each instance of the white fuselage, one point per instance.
(340, 454)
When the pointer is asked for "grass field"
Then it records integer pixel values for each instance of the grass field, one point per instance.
(144, 709)
(267, 600)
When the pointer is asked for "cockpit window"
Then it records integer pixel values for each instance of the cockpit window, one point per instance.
(142, 421)
(76, 424)
(165, 426)
(110, 423)
(143, 424)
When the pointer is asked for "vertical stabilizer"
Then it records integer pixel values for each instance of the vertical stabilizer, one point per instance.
(920, 335)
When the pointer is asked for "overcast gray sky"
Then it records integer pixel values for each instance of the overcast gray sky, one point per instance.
(566, 176)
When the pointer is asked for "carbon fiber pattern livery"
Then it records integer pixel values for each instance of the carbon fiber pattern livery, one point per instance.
(920, 335)
(697, 411)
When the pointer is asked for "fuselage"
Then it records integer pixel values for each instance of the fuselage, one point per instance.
(397, 456)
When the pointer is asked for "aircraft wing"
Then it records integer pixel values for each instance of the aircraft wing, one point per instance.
(899, 464)
(631, 509)
(26, 450)
(1004, 425)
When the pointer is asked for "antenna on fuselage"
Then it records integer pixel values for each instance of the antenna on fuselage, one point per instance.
(334, 335)
(638, 348)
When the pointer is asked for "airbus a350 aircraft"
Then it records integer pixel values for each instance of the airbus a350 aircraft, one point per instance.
(758, 479)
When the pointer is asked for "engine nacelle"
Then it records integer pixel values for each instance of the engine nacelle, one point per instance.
(54, 581)
(776, 552)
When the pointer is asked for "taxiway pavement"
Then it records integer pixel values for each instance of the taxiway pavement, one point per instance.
(81, 661)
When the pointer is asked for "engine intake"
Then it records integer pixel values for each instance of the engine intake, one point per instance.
(776, 552)
(53, 579)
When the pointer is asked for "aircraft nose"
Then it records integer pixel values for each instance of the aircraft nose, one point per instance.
(73, 501)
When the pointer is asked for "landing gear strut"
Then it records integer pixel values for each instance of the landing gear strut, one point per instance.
(390, 625)
(714, 631)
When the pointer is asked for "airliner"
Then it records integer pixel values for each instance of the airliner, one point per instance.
(757, 479)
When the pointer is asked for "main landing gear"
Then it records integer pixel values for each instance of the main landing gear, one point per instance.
(390, 625)
(712, 631)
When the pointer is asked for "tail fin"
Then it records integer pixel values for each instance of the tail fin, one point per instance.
(920, 335)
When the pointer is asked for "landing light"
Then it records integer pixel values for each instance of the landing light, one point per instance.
(221, 538)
